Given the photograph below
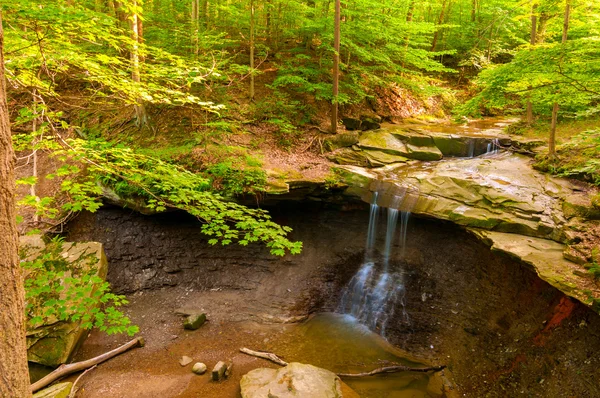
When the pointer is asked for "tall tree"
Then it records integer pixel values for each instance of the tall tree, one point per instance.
(14, 375)
(532, 42)
(336, 66)
(552, 138)
(252, 34)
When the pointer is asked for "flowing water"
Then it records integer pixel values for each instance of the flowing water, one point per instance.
(377, 293)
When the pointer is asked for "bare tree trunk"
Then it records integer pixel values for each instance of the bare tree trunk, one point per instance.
(14, 375)
(140, 109)
(532, 41)
(252, 23)
(440, 21)
(474, 11)
(336, 67)
(552, 138)
(411, 11)
(112, 11)
(195, 21)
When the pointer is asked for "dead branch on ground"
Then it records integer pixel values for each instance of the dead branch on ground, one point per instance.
(65, 370)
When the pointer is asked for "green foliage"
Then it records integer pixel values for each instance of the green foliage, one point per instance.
(578, 158)
(594, 269)
(163, 185)
(69, 289)
(232, 180)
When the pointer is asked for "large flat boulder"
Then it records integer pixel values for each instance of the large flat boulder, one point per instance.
(503, 193)
(294, 380)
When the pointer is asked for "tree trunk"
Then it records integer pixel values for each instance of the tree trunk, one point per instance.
(195, 20)
(14, 375)
(532, 41)
(140, 109)
(552, 138)
(252, 23)
(474, 11)
(411, 11)
(336, 67)
(440, 21)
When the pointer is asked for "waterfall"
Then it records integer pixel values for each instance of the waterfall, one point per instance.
(493, 147)
(374, 293)
(471, 148)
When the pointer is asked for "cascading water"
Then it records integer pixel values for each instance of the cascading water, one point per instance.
(374, 293)
(471, 148)
(493, 147)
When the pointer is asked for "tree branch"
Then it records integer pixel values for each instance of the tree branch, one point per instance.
(65, 370)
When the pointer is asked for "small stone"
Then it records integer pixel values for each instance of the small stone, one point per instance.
(194, 321)
(199, 368)
(219, 370)
(184, 361)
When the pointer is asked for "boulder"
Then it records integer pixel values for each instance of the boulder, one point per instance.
(347, 156)
(580, 204)
(379, 158)
(60, 390)
(370, 123)
(351, 123)
(294, 380)
(384, 142)
(194, 321)
(53, 342)
(399, 145)
(343, 140)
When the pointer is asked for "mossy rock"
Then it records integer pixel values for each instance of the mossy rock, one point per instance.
(452, 145)
(343, 140)
(582, 205)
(384, 142)
(413, 137)
(347, 156)
(54, 342)
(425, 153)
(60, 390)
(379, 158)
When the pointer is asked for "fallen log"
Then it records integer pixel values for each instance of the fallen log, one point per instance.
(65, 370)
(388, 369)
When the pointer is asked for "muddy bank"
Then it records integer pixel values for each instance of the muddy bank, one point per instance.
(501, 330)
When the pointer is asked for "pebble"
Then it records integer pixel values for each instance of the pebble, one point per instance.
(199, 368)
(184, 361)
